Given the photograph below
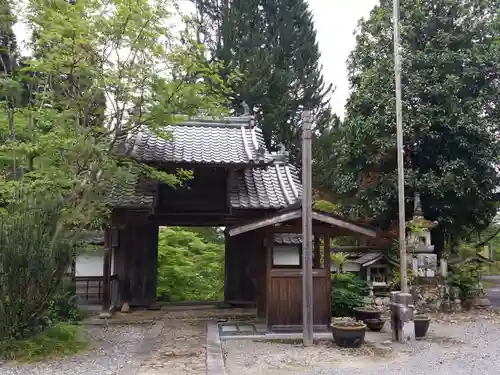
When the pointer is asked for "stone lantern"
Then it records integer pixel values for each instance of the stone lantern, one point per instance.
(419, 241)
(423, 260)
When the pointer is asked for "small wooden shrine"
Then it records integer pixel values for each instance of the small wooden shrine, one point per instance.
(237, 183)
(279, 286)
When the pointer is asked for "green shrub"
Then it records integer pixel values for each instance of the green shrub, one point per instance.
(60, 340)
(63, 307)
(37, 245)
(466, 278)
(348, 291)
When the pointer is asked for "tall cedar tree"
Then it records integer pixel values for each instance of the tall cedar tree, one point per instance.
(450, 78)
(272, 45)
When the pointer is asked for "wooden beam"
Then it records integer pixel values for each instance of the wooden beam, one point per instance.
(265, 223)
(320, 230)
(351, 228)
(344, 224)
(356, 249)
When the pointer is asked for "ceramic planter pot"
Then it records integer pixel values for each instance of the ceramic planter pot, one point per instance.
(348, 337)
(375, 325)
(421, 326)
(363, 314)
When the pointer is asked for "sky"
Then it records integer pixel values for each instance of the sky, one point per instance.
(335, 22)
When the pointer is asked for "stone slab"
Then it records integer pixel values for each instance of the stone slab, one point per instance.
(215, 359)
(246, 328)
(229, 328)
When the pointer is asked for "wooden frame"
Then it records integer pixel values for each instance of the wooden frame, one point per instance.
(319, 216)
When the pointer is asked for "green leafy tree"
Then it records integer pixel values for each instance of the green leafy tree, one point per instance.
(190, 267)
(58, 144)
(52, 144)
(8, 44)
(450, 75)
(273, 48)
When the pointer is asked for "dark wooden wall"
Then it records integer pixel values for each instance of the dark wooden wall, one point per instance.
(284, 302)
(136, 260)
(244, 269)
(206, 192)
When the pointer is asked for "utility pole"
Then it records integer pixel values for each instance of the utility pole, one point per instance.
(400, 150)
(307, 277)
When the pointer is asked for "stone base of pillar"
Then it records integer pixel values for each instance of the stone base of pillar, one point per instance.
(125, 307)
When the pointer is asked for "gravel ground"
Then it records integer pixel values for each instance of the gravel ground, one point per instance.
(461, 348)
(114, 348)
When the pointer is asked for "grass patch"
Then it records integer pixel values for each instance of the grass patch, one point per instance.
(58, 341)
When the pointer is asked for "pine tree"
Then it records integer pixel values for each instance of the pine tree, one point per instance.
(272, 46)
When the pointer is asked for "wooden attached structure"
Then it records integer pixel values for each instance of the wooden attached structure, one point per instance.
(279, 292)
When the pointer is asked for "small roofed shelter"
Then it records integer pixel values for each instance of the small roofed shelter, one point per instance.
(279, 297)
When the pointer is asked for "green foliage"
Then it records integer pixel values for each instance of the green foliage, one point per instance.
(466, 278)
(348, 291)
(450, 70)
(272, 47)
(37, 244)
(396, 277)
(60, 340)
(63, 307)
(190, 267)
(79, 98)
(338, 259)
(326, 206)
(99, 70)
(8, 45)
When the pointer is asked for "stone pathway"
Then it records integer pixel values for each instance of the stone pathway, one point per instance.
(181, 350)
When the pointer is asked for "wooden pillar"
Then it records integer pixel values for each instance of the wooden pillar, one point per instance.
(269, 242)
(326, 254)
(106, 271)
(327, 264)
(317, 252)
(261, 274)
(227, 268)
(153, 239)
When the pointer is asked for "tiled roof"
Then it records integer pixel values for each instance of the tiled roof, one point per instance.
(368, 258)
(134, 192)
(274, 187)
(233, 140)
(287, 239)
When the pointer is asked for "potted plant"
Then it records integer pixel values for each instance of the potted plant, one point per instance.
(375, 325)
(367, 312)
(347, 332)
(422, 323)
